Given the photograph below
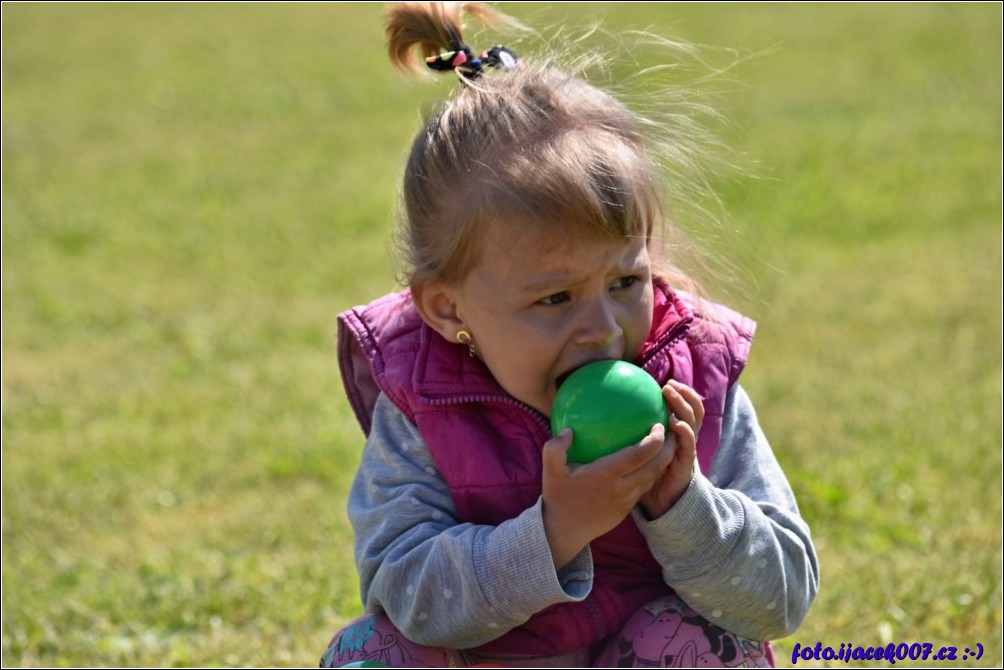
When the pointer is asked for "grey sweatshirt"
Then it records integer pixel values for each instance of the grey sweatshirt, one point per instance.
(733, 546)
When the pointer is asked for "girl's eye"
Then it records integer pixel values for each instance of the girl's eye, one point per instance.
(554, 299)
(625, 282)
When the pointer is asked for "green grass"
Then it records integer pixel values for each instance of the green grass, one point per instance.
(192, 192)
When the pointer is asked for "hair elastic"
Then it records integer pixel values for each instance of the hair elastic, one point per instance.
(498, 57)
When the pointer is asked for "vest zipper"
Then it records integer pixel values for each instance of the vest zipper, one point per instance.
(539, 418)
(675, 334)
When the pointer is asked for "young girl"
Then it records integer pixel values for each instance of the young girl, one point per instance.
(531, 206)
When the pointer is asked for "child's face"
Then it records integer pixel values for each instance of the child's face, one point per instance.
(541, 304)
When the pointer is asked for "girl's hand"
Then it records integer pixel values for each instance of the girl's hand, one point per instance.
(686, 412)
(582, 502)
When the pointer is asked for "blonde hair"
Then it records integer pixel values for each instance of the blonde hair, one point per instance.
(536, 144)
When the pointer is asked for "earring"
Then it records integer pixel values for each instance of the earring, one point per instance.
(463, 337)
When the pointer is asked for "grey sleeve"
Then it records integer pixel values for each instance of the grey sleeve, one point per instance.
(734, 546)
(442, 582)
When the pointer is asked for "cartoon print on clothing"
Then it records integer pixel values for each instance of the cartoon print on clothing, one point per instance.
(669, 634)
(360, 641)
(374, 639)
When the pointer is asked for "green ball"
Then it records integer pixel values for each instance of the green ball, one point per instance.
(608, 405)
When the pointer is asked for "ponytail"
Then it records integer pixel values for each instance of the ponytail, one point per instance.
(430, 28)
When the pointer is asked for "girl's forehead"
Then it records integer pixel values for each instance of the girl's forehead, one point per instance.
(519, 247)
(521, 236)
(526, 245)
(542, 234)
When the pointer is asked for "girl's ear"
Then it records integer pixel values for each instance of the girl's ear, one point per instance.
(437, 305)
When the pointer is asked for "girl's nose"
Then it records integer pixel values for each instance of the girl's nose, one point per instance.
(598, 325)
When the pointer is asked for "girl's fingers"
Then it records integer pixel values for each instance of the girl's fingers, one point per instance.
(635, 457)
(555, 452)
(683, 432)
(651, 469)
(685, 404)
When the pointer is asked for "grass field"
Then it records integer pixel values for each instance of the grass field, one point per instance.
(192, 192)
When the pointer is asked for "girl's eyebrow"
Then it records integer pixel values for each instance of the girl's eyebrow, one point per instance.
(561, 279)
(547, 281)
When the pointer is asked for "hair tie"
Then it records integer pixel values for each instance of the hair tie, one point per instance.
(498, 57)
(451, 60)
(502, 58)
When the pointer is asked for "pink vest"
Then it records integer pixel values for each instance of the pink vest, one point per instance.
(487, 445)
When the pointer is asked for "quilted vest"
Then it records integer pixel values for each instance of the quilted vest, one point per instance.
(487, 445)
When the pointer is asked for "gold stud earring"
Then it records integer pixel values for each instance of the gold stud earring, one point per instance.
(463, 337)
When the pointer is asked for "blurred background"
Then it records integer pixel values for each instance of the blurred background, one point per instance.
(192, 192)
